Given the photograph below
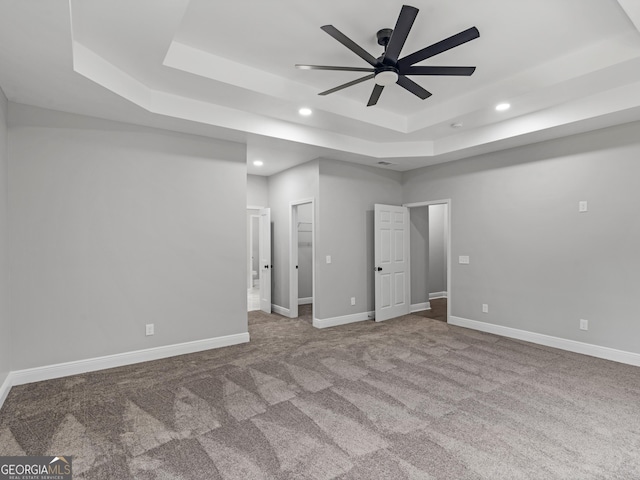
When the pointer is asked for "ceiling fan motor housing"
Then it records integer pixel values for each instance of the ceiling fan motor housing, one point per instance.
(383, 36)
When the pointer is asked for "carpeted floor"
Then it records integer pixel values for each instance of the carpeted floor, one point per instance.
(411, 398)
(438, 310)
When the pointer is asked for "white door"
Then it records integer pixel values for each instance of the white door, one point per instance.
(265, 260)
(391, 247)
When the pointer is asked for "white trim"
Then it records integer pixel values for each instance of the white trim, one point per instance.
(302, 201)
(437, 295)
(419, 307)
(344, 320)
(254, 207)
(427, 203)
(49, 372)
(285, 312)
(305, 301)
(607, 353)
(5, 388)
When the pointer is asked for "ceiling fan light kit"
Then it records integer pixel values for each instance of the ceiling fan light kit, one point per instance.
(386, 77)
(389, 68)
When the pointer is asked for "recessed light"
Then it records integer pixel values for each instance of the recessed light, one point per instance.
(501, 107)
(305, 111)
(258, 163)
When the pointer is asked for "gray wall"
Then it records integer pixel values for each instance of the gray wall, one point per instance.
(305, 252)
(348, 193)
(294, 184)
(419, 241)
(5, 323)
(437, 248)
(257, 191)
(537, 262)
(116, 226)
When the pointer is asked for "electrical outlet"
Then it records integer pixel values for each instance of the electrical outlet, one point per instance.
(463, 259)
(485, 308)
(149, 329)
(328, 258)
(584, 324)
(353, 300)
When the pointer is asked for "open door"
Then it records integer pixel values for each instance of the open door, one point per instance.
(391, 250)
(265, 260)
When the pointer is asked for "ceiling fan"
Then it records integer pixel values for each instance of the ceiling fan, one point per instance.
(388, 68)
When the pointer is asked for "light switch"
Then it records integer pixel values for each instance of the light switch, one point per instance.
(463, 259)
(328, 258)
(582, 206)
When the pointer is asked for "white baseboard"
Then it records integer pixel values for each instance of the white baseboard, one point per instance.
(4, 389)
(437, 295)
(305, 301)
(607, 353)
(20, 377)
(419, 307)
(285, 312)
(335, 321)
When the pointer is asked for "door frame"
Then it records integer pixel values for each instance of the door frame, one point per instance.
(447, 202)
(293, 254)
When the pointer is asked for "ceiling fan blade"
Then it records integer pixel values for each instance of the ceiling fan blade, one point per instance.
(348, 84)
(375, 95)
(428, 70)
(400, 33)
(441, 46)
(413, 87)
(327, 67)
(350, 44)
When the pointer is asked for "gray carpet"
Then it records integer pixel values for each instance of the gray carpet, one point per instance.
(410, 398)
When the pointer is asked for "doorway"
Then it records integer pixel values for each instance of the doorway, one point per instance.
(430, 259)
(253, 262)
(301, 259)
(259, 259)
(402, 262)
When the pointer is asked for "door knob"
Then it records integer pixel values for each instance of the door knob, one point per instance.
(378, 269)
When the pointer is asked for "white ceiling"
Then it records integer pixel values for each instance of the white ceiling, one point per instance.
(226, 69)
